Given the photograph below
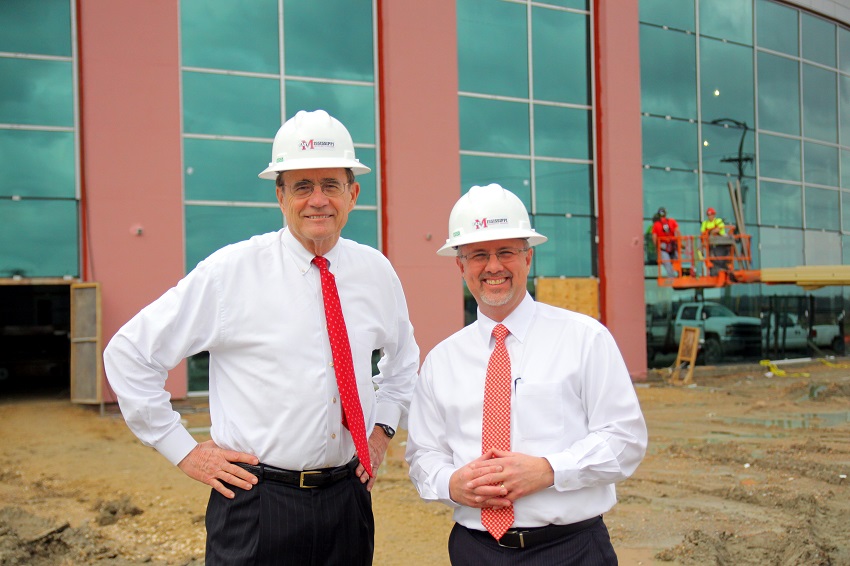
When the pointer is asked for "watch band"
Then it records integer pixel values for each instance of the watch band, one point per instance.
(388, 430)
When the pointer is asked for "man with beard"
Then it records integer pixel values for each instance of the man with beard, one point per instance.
(525, 419)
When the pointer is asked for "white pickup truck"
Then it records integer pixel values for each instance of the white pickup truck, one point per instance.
(794, 335)
(722, 332)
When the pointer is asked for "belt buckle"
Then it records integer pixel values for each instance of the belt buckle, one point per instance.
(301, 481)
(521, 541)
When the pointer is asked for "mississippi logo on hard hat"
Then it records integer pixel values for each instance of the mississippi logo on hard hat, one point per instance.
(485, 222)
(316, 144)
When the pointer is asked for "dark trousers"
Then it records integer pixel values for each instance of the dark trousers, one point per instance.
(277, 524)
(588, 547)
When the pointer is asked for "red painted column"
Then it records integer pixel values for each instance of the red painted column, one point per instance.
(421, 167)
(129, 86)
(618, 131)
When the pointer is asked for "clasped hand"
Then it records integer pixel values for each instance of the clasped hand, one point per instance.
(498, 478)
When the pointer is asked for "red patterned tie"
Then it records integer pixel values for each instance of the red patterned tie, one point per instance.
(352, 411)
(496, 425)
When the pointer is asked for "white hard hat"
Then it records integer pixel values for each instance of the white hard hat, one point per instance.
(312, 140)
(485, 214)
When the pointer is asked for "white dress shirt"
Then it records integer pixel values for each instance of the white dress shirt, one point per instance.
(572, 402)
(256, 306)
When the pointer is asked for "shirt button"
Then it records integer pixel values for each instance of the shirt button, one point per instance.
(333, 400)
(331, 364)
(333, 435)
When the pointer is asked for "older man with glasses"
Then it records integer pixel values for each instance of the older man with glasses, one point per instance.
(290, 320)
(523, 421)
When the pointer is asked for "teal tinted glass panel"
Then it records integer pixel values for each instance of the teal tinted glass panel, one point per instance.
(216, 104)
(844, 109)
(512, 174)
(727, 148)
(42, 27)
(781, 248)
(820, 164)
(37, 164)
(368, 182)
(209, 228)
(36, 92)
(362, 226)
(353, 105)
(494, 126)
(715, 190)
(668, 73)
(226, 170)
(845, 215)
(213, 35)
(342, 51)
(818, 40)
(568, 251)
(777, 27)
(845, 170)
(669, 143)
(679, 15)
(727, 19)
(492, 47)
(560, 54)
(820, 104)
(822, 248)
(726, 81)
(38, 238)
(563, 188)
(781, 204)
(844, 49)
(577, 4)
(561, 132)
(778, 94)
(845, 250)
(822, 208)
(677, 191)
(779, 158)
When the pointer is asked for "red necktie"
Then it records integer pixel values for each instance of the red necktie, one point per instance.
(496, 425)
(352, 411)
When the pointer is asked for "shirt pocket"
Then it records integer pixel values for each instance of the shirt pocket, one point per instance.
(539, 410)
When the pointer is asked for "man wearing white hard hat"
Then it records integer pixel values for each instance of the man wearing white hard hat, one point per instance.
(523, 421)
(290, 320)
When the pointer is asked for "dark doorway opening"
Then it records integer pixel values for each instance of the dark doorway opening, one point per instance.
(34, 340)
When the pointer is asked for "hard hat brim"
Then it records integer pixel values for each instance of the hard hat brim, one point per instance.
(450, 247)
(273, 169)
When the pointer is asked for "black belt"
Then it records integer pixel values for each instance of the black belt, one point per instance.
(306, 479)
(526, 538)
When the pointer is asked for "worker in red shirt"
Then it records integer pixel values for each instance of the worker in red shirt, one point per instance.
(665, 232)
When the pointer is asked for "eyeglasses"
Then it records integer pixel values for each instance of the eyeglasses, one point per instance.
(505, 255)
(330, 187)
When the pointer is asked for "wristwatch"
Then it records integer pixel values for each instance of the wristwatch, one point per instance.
(388, 430)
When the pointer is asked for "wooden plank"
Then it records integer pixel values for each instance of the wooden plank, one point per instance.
(688, 346)
(579, 294)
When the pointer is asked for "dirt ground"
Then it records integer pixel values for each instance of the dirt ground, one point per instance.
(746, 466)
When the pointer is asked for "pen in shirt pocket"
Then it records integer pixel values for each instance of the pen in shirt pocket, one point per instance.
(516, 383)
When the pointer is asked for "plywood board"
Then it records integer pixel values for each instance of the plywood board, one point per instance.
(579, 294)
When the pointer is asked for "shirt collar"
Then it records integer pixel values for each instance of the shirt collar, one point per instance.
(518, 322)
(302, 257)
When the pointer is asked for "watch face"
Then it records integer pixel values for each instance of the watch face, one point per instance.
(388, 430)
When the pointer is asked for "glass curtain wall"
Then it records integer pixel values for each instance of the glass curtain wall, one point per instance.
(246, 68)
(526, 118)
(755, 91)
(39, 196)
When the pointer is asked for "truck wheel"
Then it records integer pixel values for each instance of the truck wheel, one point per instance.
(838, 346)
(713, 351)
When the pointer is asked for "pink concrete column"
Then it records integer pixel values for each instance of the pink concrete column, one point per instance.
(131, 156)
(421, 161)
(618, 130)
